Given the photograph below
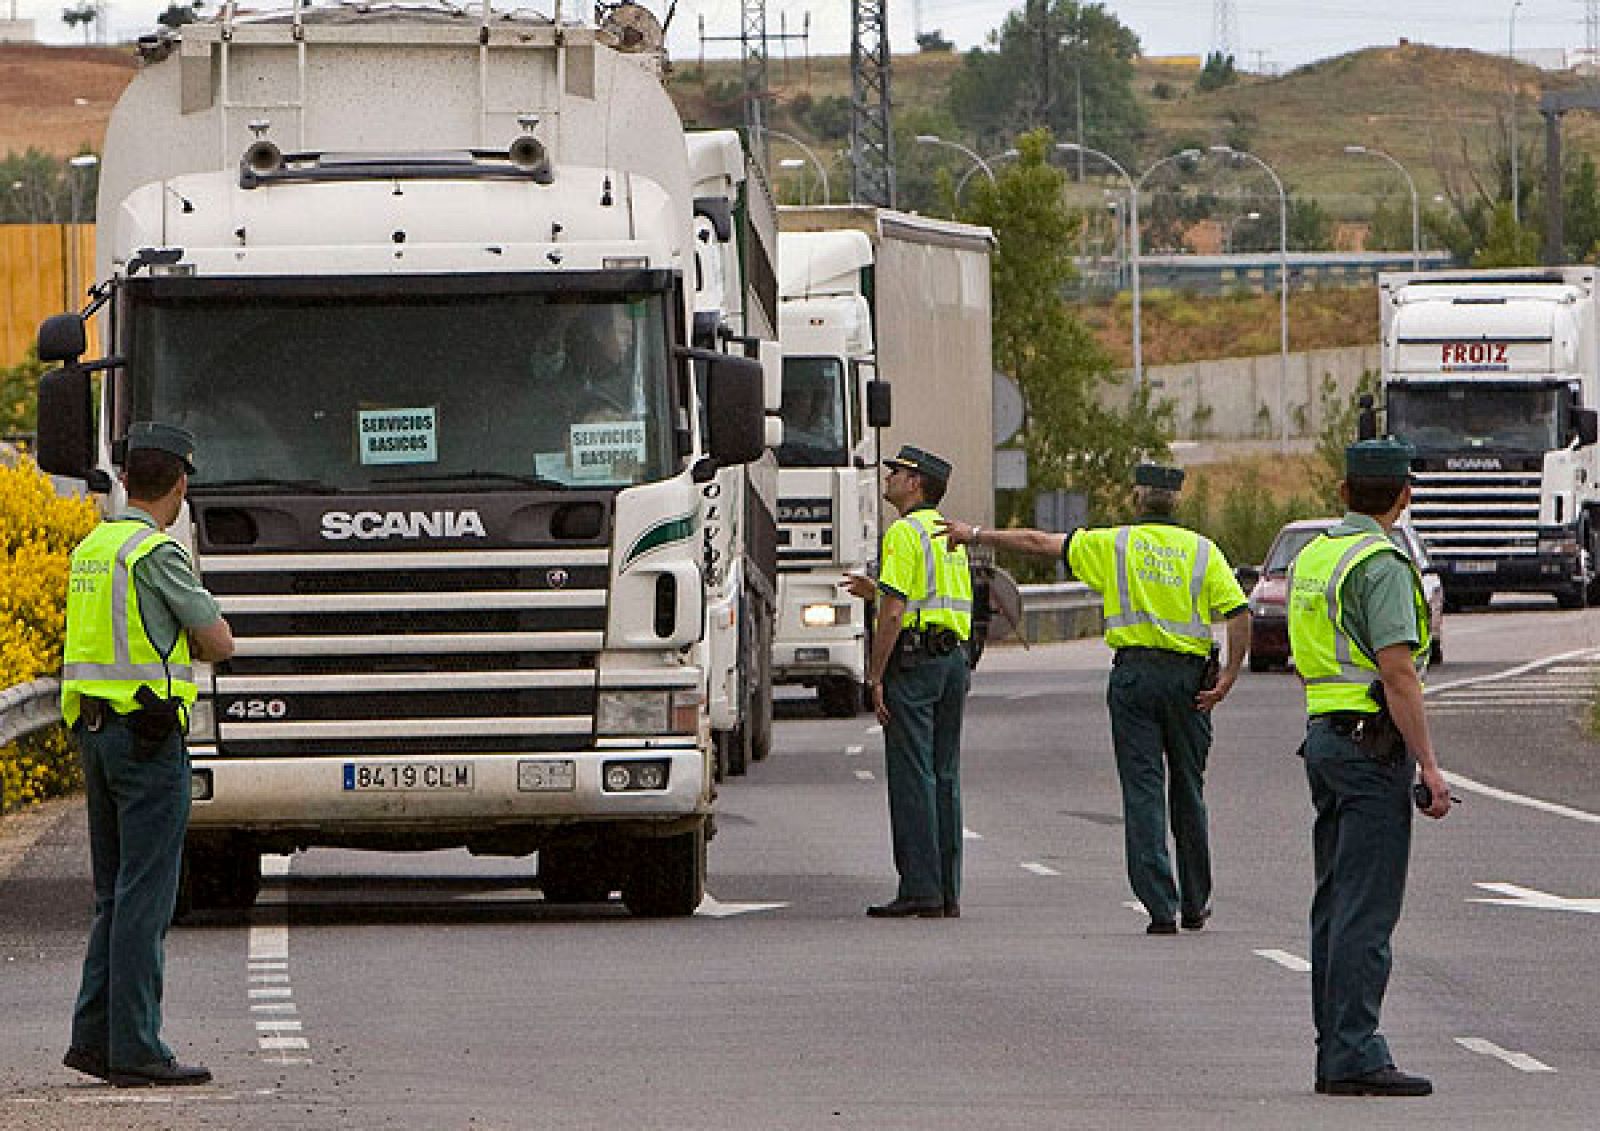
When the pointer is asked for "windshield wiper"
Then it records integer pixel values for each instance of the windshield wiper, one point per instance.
(476, 477)
(298, 486)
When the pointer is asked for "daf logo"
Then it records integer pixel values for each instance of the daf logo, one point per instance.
(557, 578)
(370, 525)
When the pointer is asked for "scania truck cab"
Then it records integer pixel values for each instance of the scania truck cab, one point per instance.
(420, 282)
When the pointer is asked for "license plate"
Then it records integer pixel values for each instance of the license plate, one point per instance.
(397, 777)
(552, 775)
(1475, 567)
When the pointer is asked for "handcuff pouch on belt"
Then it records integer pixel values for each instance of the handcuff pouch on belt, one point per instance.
(917, 644)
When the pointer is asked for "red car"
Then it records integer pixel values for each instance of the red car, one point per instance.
(1269, 621)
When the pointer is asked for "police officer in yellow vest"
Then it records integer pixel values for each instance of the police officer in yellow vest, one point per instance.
(1358, 622)
(1163, 588)
(918, 677)
(136, 619)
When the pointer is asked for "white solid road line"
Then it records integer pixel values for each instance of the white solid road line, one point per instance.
(1512, 673)
(1521, 1061)
(1286, 960)
(1039, 869)
(968, 834)
(1460, 781)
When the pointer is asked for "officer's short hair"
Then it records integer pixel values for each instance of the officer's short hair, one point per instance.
(1156, 500)
(1373, 496)
(932, 489)
(151, 473)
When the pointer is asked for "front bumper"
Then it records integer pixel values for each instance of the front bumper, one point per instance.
(1525, 573)
(803, 663)
(309, 799)
(1269, 638)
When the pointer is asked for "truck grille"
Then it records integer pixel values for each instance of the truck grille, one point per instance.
(408, 653)
(805, 532)
(1477, 514)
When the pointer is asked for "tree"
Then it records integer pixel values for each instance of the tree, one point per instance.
(83, 14)
(1073, 440)
(1310, 226)
(1217, 73)
(934, 42)
(1581, 222)
(1508, 243)
(1030, 76)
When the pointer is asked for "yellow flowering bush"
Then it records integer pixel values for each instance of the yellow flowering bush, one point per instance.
(38, 530)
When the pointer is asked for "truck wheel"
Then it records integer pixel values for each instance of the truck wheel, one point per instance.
(668, 877)
(760, 672)
(1259, 663)
(733, 750)
(1574, 596)
(570, 874)
(840, 697)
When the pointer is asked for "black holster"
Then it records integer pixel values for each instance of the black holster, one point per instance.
(153, 724)
(1212, 670)
(1380, 738)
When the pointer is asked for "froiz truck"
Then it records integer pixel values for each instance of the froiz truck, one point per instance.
(1492, 376)
(420, 283)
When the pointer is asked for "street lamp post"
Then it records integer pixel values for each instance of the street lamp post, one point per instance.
(1233, 224)
(798, 163)
(1136, 187)
(1416, 210)
(978, 162)
(822, 170)
(1283, 283)
(1003, 155)
(1511, 79)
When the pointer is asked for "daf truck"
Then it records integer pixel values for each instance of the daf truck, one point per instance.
(874, 303)
(421, 280)
(1494, 378)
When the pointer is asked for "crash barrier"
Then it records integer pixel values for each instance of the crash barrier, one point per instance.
(1064, 610)
(29, 707)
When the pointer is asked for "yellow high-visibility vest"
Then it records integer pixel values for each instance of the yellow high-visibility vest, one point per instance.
(1152, 583)
(939, 592)
(109, 654)
(1335, 669)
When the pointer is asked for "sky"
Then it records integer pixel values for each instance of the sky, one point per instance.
(1275, 34)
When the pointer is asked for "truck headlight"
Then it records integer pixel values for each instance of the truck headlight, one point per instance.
(1560, 546)
(202, 722)
(819, 616)
(648, 712)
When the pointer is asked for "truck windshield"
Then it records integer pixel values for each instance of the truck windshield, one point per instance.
(814, 430)
(1453, 418)
(397, 391)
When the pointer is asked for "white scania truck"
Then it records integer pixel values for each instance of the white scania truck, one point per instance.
(421, 281)
(1494, 377)
(872, 301)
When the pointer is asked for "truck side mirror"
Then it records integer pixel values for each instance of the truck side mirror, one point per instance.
(66, 419)
(735, 409)
(1366, 418)
(1586, 421)
(62, 338)
(878, 404)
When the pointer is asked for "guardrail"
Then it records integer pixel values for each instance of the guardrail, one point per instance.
(1064, 610)
(28, 707)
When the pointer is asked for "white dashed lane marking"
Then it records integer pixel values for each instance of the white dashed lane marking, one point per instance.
(968, 834)
(1039, 869)
(1521, 1061)
(864, 775)
(851, 751)
(1286, 960)
(278, 1038)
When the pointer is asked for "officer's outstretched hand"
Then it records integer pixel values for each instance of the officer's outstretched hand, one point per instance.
(859, 585)
(958, 533)
(879, 708)
(1209, 698)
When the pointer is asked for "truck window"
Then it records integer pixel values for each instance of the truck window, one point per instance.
(814, 413)
(1454, 418)
(397, 391)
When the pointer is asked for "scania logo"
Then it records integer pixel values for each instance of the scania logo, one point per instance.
(557, 578)
(337, 526)
(1473, 463)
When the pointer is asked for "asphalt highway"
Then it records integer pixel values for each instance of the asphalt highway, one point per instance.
(437, 991)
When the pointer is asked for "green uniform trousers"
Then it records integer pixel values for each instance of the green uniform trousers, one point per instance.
(138, 813)
(922, 747)
(1155, 728)
(1361, 844)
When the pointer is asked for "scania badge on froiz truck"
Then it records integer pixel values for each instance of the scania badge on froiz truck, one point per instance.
(1494, 377)
(420, 281)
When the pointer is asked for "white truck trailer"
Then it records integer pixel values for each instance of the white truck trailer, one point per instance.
(1494, 377)
(873, 301)
(420, 280)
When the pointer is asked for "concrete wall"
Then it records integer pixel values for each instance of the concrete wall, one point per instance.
(1238, 398)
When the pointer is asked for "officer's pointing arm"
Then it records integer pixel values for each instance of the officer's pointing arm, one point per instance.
(1038, 543)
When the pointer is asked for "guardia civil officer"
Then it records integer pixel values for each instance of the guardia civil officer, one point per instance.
(918, 676)
(1357, 617)
(1163, 587)
(136, 618)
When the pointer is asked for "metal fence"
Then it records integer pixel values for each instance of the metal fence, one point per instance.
(28, 707)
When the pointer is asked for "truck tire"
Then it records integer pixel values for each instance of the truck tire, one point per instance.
(217, 876)
(1259, 663)
(668, 876)
(1573, 596)
(733, 751)
(573, 874)
(759, 677)
(840, 697)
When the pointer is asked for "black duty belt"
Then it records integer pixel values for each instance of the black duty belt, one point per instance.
(1134, 654)
(1346, 724)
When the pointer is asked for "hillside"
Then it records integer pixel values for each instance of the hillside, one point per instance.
(1440, 112)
